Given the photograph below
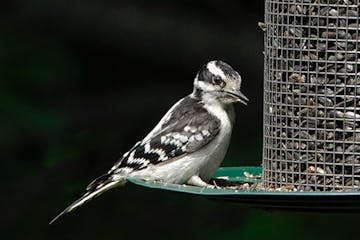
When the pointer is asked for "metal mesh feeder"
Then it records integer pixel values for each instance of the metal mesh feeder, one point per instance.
(312, 95)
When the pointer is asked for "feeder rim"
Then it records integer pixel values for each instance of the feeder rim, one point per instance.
(230, 173)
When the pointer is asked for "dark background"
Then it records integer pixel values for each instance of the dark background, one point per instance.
(82, 81)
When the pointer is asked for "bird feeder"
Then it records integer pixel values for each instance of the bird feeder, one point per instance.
(311, 145)
(312, 95)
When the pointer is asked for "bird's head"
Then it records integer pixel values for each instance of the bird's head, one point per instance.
(217, 80)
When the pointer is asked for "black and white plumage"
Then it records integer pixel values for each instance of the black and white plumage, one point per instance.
(189, 143)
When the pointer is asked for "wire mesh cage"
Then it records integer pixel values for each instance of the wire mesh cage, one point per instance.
(312, 95)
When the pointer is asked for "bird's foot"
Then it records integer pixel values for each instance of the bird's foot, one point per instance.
(197, 181)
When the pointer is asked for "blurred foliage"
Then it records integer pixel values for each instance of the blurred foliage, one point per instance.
(82, 81)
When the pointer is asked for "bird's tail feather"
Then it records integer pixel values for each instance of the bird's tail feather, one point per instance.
(95, 188)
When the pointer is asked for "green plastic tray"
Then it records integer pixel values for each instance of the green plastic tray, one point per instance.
(290, 201)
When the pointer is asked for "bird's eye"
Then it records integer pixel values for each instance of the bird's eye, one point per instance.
(218, 81)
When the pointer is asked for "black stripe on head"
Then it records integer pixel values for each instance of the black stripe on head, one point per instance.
(204, 74)
(226, 68)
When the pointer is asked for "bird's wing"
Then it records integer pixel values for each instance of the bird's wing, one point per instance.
(189, 128)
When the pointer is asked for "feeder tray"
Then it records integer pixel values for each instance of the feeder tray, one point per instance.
(276, 200)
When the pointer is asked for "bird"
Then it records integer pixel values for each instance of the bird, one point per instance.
(189, 143)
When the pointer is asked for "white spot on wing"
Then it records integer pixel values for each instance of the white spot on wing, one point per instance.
(147, 147)
(160, 152)
(206, 133)
(193, 129)
(198, 137)
(124, 170)
(183, 138)
(140, 161)
(176, 143)
(131, 157)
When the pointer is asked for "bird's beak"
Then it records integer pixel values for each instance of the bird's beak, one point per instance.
(240, 97)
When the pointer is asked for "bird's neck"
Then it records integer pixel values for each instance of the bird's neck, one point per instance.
(212, 103)
(207, 99)
(224, 112)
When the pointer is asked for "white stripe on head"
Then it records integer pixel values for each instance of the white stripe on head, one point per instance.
(211, 66)
(205, 86)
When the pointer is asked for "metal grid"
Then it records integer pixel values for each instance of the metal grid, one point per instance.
(312, 95)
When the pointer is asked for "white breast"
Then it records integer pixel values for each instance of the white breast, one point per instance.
(217, 149)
